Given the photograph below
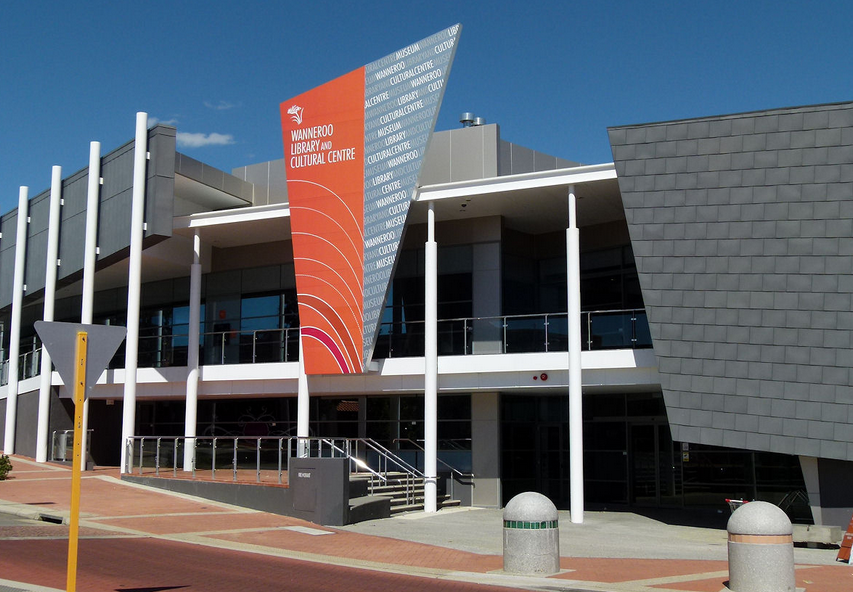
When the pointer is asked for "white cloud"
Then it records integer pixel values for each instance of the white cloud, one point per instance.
(220, 106)
(188, 140)
(152, 121)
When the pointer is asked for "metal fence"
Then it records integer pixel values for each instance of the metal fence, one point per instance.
(600, 330)
(243, 458)
(29, 365)
(62, 445)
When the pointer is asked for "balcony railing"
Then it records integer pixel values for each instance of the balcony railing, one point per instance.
(600, 330)
(217, 348)
(29, 365)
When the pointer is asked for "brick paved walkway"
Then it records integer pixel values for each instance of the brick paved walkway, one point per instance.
(135, 537)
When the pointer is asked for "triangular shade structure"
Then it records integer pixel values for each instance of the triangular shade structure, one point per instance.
(353, 152)
(60, 341)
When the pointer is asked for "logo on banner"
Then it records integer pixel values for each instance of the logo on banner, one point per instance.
(296, 114)
(353, 164)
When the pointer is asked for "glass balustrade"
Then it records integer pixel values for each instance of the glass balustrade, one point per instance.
(621, 329)
(29, 365)
(600, 330)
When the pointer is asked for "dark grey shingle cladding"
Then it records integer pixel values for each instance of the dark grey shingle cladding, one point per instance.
(116, 194)
(742, 229)
(202, 188)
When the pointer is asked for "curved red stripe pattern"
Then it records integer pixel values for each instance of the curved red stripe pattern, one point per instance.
(323, 132)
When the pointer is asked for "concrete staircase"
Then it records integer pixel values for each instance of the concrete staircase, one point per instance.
(405, 494)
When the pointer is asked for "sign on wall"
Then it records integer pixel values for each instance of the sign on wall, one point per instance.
(353, 151)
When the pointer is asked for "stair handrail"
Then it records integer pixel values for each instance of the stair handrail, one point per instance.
(359, 463)
(412, 473)
(453, 470)
(395, 458)
(791, 497)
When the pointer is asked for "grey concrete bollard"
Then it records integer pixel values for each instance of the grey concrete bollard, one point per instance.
(761, 549)
(531, 535)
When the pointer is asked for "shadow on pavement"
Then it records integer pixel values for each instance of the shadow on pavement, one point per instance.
(695, 517)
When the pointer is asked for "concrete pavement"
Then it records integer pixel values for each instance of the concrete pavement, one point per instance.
(453, 549)
(603, 534)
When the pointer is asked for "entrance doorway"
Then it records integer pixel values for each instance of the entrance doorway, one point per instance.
(629, 456)
(655, 478)
(535, 447)
(552, 462)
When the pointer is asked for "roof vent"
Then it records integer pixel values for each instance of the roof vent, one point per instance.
(467, 119)
(479, 121)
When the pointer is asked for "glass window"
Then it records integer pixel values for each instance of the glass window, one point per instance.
(411, 407)
(598, 406)
(260, 312)
(379, 408)
(604, 435)
(383, 432)
(454, 407)
(650, 405)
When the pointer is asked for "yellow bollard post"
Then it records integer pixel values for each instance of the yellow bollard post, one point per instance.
(76, 472)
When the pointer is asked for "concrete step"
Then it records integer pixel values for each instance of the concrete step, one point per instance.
(402, 481)
(395, 488)
(407, 508)
(401, 506)
(402, 501)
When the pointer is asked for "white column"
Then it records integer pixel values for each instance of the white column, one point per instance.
(134, 284)
(49, 301)
(15, 323)
(303, 406)
(90, 250)
(191, 415)
(575, 383)
(430, 364)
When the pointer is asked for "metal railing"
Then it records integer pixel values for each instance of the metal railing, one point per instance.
(465, 480)
(220, 347)
(167, 453)
(533, 333)
(265, 455)
(29, 365)
(411, 473)
(62, 444)
(453, 470)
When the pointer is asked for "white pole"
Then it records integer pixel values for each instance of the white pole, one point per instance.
(575, 382)
(90, 250)
(134, 285)
(91, 247)
(430, 364)
(15, 323)
(191, 415)
(49, 301)
(303, 407)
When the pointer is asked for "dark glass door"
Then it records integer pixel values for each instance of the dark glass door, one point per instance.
(669, 468)
(552, 463)
(655, 472)
(644, 465)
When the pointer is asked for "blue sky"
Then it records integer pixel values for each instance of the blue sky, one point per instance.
(553, 74)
